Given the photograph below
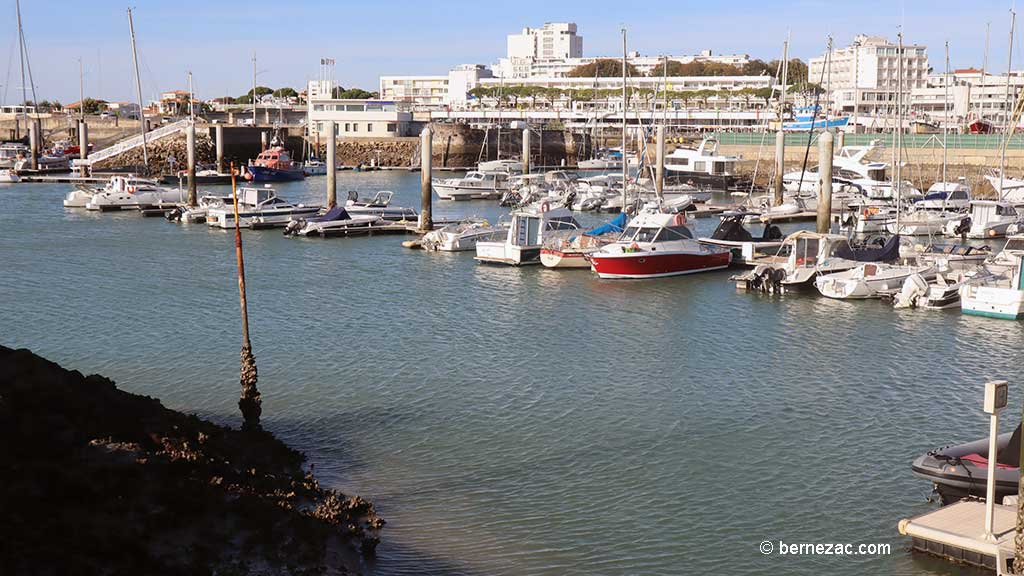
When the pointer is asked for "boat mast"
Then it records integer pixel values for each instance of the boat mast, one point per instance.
(984, 68)
(898, 185)
(21, 55)
(664, 93)
(945, 121)
(81, 90)
(191, 98)
(625, 162)
(254, 89)
(138, 91)
(1008, 130)
(828, 84)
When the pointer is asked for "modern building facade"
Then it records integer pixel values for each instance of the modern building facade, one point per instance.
(971, 95)
(354, 118)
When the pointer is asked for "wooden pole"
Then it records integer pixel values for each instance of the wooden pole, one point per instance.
(824, 182)
(780, 163)
(33, 143)
(250, 402)
(83, 144)
(219, 132)
(1018, 539)
(331, 161)
(426, 189)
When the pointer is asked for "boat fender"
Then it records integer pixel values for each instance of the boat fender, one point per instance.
(544, 207)
(131, 189)
(679, 219)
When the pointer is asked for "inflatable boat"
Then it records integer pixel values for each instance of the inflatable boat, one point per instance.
(962, 470)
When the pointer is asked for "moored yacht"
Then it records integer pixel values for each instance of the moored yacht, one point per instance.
(746, 248)
(258, 207)
(522, 242)
(987, 219)
(869, 280)
(335, 222)
(126, 193)
(379, 205)
(461, 236)
(702, 166)
(274, 164)
(996, 290)
(570, 250)
(474, 185)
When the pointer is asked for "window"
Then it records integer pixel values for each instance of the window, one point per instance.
(348, 127)
(355, 127)
(392, 127)
(369, 127)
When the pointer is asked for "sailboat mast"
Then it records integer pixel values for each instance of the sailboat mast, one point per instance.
(254, 89)
(664, 93)
(898, 185)
(984, 68)
(945, 120)
(191, 99)
(1008, 129)
(138, 90)
(828, 83)
(625, 161)
(81, 90)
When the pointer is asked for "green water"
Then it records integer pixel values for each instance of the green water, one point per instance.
(523, 421)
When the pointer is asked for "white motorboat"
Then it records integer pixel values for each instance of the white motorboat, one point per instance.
(869, 280)
(849, 165)
(987, 219)
(805, 254)
(258, 208)
(607, 159)
(314, 167)
(996, 290)
(507, 165)
(522, 242)
(702, 165)
(953, 257)
(335, 222)
(921, 222)
(379, 205)
(197, 214)
(474, 185)
(570, 248)
(127, 193)
(1009, 189)
(946, 197)
(461, 236)
(746, 248)
(8, 176)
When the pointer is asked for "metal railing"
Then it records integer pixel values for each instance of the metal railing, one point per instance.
(134, 142)
(954, 141)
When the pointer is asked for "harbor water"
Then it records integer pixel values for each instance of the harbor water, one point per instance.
(523, 421)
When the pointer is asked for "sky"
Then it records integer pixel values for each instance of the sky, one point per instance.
(215, 39)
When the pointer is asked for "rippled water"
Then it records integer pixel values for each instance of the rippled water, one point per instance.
(522, 421)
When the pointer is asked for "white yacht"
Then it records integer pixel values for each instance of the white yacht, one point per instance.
(8, 176)
(606, 159)
(1010, 189)
(197, 214)
(703, 165)
(258, 208)
(314, 167)
(522, 242)
(124, 193)
(475, 185)
(507, 165)
(335, 222)
(996, 291)
(379, 205)
(987, 219)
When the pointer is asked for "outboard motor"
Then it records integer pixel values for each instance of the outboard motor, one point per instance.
(294, 226)
(963, 228)
(570, 199)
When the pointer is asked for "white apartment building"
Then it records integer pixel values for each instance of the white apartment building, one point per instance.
(553, 40)
(971, 96)
(354, 118)
(863, 76)
(420, 90)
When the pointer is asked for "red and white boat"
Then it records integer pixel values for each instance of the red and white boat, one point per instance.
(655, 245)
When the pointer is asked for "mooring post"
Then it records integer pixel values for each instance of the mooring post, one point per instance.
(263, 141)
(1018, 539)
(780, 164)
(824, 182)
(219, 133)
(659, 167)
(526, 150)
(83, 145)
(33, 141)
(250, 402)
(190, 141)
(426, 190)
(332, 169)
(840, 140)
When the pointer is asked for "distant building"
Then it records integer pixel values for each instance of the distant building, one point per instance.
(124, 109)
(970, 96)
(353, 118)
(421, 90)
(863, 76)
(174, 103)
(553, 40)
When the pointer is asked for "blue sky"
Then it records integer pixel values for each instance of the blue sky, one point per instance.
(215, 38)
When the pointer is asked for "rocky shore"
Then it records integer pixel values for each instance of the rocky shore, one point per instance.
(99, 481)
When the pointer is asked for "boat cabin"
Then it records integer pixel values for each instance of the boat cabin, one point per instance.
(484, 179)
(704, 160)
(991, 210)
(275, 157)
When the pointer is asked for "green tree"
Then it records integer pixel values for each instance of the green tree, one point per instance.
(352, 93)
(286, 93)
(602, 68)
(91, 106)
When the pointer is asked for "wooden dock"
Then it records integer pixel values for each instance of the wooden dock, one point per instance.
(62, 179)
(956, 532)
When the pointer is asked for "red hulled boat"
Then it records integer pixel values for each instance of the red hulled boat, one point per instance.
(656, 245)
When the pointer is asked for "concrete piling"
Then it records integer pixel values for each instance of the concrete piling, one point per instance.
(840, 140)
(331, 161)
(426, 188)
(824, 182)
(83, 144)
(33, 142)
(659, 166)
(219, 133)
(780, 165)
(263, 141)
(266, 116)
(526, 150)
(190, 141)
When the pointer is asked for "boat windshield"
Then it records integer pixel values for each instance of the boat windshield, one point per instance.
(674, 233)
(1014, 244)
(806, 251)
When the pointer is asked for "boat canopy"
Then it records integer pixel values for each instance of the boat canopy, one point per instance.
(617, 225)
(731, 228)
(888, 252)
(334, 214)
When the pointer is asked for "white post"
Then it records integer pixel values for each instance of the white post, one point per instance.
(995, 400)
(824, 182)
(780, 163)
(190, 143)
(426, 185)
(526, 150)
(220, 148)
(332, 164)
(659, 168)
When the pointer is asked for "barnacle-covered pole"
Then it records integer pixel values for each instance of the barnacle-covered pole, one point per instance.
(250, 402)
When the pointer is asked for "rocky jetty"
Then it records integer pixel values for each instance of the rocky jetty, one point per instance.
(161, 151)
(99, 481)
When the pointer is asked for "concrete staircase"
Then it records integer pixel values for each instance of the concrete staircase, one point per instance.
(134, 142)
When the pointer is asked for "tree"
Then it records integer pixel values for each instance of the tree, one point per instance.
(286, 93)
(247, 97)
(90, 106)
(351, 93)
(603, 68)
